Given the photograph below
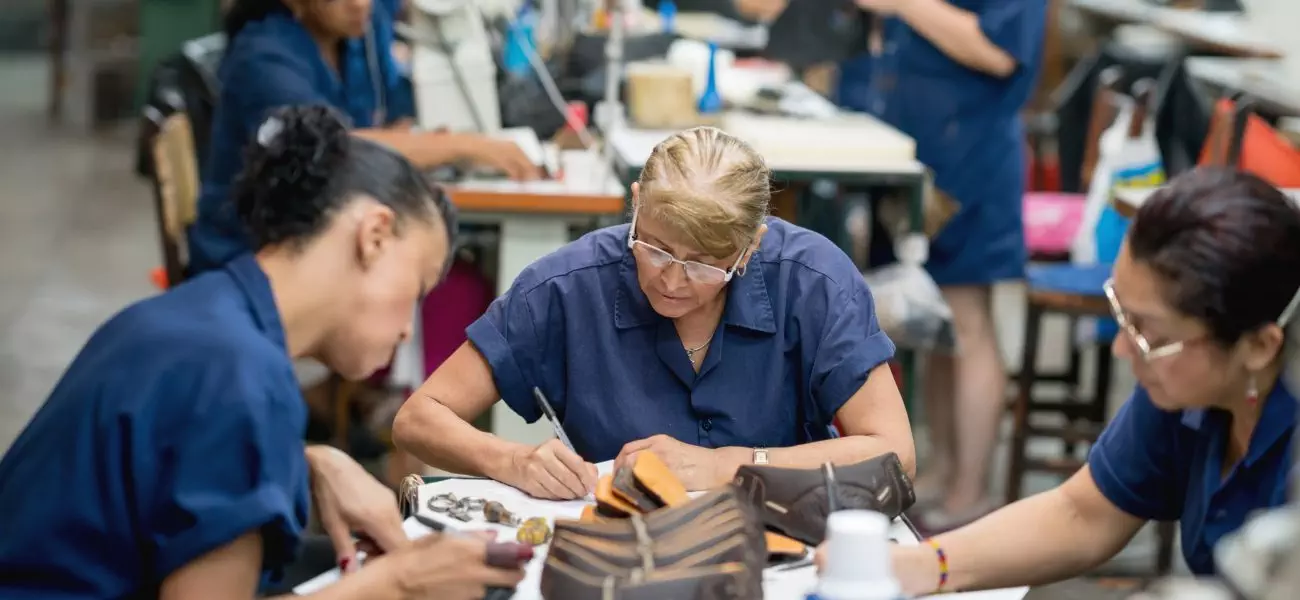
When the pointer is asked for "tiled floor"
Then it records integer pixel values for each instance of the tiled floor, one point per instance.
(77, 241)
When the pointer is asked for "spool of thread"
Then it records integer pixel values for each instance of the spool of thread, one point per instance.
(858, 565)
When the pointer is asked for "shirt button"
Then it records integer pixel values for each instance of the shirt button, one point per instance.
(707, 424)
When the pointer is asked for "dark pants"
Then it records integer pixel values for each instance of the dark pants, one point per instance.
(315, 556)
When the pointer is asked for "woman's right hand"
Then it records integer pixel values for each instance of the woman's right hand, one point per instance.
(446, 567)
(503, 155)
(551, 471)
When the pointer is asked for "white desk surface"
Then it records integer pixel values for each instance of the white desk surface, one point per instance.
(1272, 80)
(849, 143)
(1131, 199)
(1230, 31)
(784, 585)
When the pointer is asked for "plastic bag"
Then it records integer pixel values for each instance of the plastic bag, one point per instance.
(1123, 161)
(909, 306)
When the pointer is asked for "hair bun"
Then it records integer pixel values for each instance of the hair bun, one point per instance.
(288, 166)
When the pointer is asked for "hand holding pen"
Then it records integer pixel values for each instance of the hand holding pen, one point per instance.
(553, 470)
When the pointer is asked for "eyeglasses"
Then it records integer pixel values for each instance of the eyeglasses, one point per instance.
(1144, 347)
(695, 271)
(1140, 341)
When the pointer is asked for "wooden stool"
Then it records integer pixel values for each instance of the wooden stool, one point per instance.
(1075, 292)
(1072, 291)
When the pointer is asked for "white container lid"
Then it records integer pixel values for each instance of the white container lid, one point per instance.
(858, 565)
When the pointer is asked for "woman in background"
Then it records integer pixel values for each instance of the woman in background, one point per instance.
(338, 53)
(1206, 289)
(334, 52)
(954, 75)
(168, 462)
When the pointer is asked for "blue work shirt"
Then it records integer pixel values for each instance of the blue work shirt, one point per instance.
(967, 129)
(176, 430)
(797, 338)
(273, 63)
(1168, 466)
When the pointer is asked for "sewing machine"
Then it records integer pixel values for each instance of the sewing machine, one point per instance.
(452, 69)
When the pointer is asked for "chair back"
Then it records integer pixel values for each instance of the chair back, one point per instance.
(176, 191)
(1182, 118)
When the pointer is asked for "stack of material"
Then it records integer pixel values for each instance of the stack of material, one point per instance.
(646, 538)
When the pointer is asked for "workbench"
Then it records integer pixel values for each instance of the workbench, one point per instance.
(1127, 201)
(1271, 82)
(777, 585)
(1232, 34)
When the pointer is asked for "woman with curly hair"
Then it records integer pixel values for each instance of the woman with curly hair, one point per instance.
(168, 462)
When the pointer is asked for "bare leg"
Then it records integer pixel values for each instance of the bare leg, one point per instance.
(980, 389)
(934, 477)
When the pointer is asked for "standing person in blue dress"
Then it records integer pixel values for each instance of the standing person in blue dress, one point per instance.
(335, 52)
(168, 462)
(954, 75)
(1206, 290)
(704, 331)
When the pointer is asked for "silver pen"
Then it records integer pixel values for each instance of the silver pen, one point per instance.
(550, 416)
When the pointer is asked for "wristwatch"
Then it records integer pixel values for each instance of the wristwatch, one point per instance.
(760, 456)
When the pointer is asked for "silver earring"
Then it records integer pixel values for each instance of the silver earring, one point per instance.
(1252, 391)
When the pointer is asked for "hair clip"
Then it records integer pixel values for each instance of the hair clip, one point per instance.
(269, 130)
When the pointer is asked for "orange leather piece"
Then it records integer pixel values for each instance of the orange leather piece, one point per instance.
(606, 497)
(658, 479)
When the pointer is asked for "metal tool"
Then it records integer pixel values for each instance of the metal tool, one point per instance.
(832, 490)
(443, 503)
(550, 416)
(495, 512)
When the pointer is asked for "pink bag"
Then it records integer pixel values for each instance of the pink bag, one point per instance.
(451, 307)
(1051, 221)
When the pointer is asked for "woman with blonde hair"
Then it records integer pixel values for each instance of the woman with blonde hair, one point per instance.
(704, 330)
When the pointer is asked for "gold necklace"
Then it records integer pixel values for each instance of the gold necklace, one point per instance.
(690, 352)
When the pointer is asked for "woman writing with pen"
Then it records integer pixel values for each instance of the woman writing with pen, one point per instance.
(704, 331)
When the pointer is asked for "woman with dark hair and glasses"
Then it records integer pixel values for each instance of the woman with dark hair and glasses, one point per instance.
(168, 462)
(1206, 288)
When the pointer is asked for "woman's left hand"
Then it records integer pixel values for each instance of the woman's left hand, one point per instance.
(697, 468)
(349, 500)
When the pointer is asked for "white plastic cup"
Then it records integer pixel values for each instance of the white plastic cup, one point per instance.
(858, 565)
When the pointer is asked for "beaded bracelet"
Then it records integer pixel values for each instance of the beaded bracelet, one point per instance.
(943, 565)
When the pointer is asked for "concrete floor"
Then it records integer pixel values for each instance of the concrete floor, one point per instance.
(78, 240)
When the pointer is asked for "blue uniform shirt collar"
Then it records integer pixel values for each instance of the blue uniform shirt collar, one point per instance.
(1277, 419)
(252, 281)
(351, 87)
(748, 304)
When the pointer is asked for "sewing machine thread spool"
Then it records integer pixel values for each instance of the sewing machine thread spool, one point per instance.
(858, 566)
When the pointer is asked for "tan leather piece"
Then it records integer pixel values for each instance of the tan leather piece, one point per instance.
(607, 499)
(659, 480)
(784, 546)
